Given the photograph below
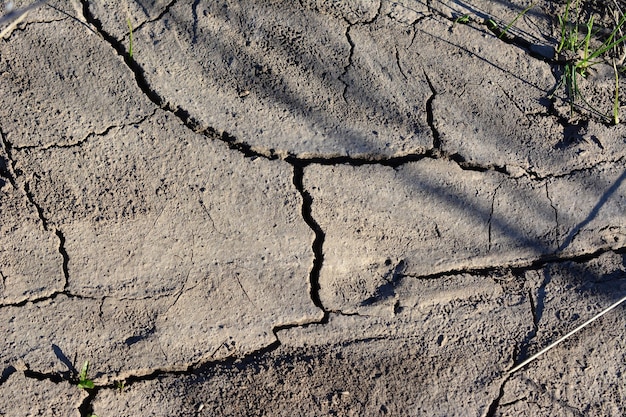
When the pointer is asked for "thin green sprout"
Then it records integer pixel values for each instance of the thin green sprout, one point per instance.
(522, 13)
(130, 47)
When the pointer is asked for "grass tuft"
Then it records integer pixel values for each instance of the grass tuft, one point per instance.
(578, 56)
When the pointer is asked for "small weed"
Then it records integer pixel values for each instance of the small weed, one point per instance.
(493, 26)
(520, 14)
(464, 20)
(119, 385)
(83, 381)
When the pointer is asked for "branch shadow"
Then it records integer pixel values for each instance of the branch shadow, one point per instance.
(239, 66)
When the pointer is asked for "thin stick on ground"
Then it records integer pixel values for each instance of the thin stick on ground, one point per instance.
(541, 352)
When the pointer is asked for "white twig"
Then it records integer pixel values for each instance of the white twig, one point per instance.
(541, 352)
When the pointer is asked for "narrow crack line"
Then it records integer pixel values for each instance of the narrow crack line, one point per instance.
(208, 214)
(537, 177)
(66, 258)
(556, 217)
(493, 407)
(9, 173)
(4, 283)
(415, 29)
(489, 222)
(533, 311)
(31, 200)
(514, 102)
(244, 290)
(49, 297)
(530, 264)
(44, 222)
(430, 117)
(81, 142)
(159, 17)
(183, 289)
(23, 26)
(518, 400)
(399, 64)
(525, 344)
(346, 67)
(377, 15)
(71, 16)
(318, 242)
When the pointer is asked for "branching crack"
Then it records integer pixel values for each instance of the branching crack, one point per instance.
(198, 127)
(159, 17)
(184, 116)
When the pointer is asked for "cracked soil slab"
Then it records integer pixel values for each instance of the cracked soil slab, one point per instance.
(163, 241)
(356, 207)
(429, 217)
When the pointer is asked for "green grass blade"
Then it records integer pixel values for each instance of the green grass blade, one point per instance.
(130, 46)
(522, 13)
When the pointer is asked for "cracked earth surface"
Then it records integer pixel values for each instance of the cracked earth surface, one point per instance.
(304, 208)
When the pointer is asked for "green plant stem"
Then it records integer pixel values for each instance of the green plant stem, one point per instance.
(522, 13)
(130, 28)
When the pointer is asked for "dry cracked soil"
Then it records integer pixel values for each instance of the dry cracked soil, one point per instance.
(263, 208)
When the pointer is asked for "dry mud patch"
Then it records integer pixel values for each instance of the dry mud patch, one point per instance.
(310, 208)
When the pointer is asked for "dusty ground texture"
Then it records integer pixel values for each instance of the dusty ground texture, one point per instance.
(305, 208)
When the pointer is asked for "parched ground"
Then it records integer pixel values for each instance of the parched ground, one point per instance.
(306, 207)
